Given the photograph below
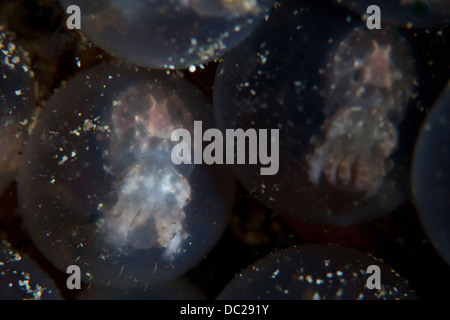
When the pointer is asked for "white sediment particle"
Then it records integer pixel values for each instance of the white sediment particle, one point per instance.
(17, 257)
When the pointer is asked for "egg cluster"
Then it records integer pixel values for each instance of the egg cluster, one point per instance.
(87, 122)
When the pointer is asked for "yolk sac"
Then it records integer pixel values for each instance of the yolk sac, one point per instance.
(405, 13)
(21, 278)
(168, 34)
(318, 272)
(97, 187)
(16, 82)
(337, 96)
(431, 175)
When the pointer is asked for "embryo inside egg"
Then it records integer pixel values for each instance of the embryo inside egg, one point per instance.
(98, 188)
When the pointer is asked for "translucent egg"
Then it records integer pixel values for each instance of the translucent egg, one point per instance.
(15, 105)
(317, 272)
(97, 186)
(405, 13)
(168, 34)
(431, 175)
(337, 96)
(21, 278)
